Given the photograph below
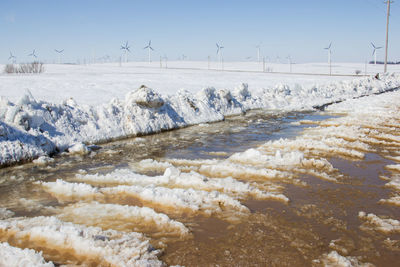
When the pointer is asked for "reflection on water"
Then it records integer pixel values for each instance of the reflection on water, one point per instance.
(320, 217)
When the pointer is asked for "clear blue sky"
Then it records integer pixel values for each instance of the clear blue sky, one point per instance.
(98, 27)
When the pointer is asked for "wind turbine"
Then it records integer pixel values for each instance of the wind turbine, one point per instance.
(329, 57)
(258, 51)
(289, 58)
(184, 57)
(59, 54)
(375, 52)
(219, 53)
(126, 50)
(33, 54)
(329, 52)
(149, 48)
(12, 57)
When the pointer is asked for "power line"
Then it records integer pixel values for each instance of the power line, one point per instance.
(387, 33)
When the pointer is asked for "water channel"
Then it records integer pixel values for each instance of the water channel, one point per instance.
(320, 217)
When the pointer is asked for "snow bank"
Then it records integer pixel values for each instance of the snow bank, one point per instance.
(30, 129)
(88, 245)
(16, 257)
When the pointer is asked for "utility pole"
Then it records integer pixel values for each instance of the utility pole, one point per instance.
(387, 33)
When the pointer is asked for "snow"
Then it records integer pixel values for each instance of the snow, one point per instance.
(121, 217)
(63, 190)
(382, 225)
(16, 257)
(173, 177)
(32, 129)
(106, 81)
(4, 213)
(174, 200)
(334, 259)
(85, 244)
(104, 102)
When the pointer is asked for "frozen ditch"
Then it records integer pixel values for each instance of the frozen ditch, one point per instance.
(304, 187)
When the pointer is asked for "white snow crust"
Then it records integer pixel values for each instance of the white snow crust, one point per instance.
(5, 213)
(171, 199)
(15, 257)
(334, 259)
(173, 177)
(124, 217)
(84, 243)
(377, 223)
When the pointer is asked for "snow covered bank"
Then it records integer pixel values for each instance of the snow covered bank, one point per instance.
(31, 128)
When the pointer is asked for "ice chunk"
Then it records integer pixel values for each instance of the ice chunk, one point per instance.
(123, 218)
(13, 257)
(88, 245)
(383, 225)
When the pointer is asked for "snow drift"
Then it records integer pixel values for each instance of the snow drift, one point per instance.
(30, 129)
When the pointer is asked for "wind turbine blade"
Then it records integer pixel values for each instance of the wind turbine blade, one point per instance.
(379, 47)
(151, 48)
(373, 53)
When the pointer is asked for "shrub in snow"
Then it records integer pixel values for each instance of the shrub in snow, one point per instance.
(242, 93)
(34, 67)
(145, 97)
(282, 89)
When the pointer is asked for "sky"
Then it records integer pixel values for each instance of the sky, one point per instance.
(92, 29)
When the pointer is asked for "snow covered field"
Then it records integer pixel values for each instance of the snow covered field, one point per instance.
(71, 106)
(99, 83)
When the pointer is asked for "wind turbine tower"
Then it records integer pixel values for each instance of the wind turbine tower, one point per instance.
(329, 57)
(375, 51)
(59, 54)
(126, 50)
(219, 53)
(329, 52)
(33, 54)
(149, 48)
(12, 57)
(258, 51)
(289, 58)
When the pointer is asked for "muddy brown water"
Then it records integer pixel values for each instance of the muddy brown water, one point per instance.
(274, 234)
